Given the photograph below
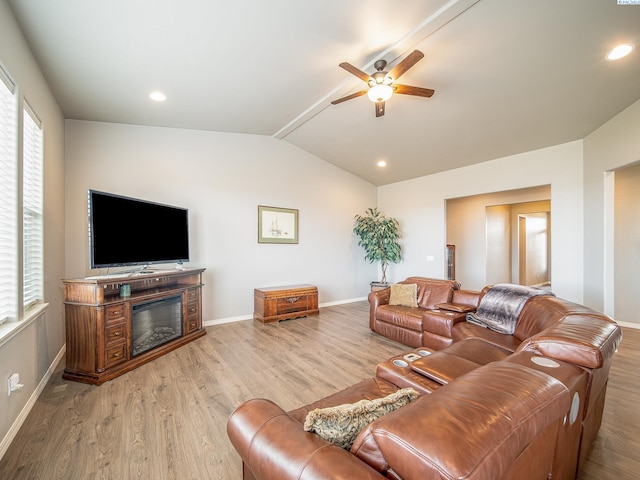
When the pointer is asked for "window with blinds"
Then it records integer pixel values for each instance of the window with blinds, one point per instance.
(8, 199)
(21, 205)
(32, 209)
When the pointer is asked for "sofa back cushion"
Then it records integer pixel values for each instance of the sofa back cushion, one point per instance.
(432, 291)
(474, 428)
(541, 312)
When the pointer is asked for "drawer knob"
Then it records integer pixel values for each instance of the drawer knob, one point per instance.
(116, 334)
(116, 355)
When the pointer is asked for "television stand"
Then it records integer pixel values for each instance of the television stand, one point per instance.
(99, 330)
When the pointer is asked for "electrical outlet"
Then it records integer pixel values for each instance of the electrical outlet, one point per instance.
(13, 383)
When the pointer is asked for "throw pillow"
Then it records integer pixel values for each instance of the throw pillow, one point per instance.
(342, 424)
(405, 294)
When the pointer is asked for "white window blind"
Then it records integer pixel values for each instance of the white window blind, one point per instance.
(32, 208)
(8, 199)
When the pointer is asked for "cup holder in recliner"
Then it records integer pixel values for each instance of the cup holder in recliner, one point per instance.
(424, 353)
(400, 363)
(545, 362)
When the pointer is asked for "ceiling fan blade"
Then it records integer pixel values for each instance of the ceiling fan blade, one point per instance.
(365, 77)
(409, 90)
(413, 58)
(349, 97)
(379, 109)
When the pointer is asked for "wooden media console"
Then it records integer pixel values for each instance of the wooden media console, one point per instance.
(103, 343)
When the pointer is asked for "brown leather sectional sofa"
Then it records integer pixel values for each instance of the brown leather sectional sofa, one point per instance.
(491, 406)
(441, 305)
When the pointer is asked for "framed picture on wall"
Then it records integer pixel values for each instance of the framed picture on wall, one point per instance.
(277, 225)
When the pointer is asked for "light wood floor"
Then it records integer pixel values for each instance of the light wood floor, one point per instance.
(167, 419)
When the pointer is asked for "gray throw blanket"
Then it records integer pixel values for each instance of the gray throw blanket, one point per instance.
(501, 305)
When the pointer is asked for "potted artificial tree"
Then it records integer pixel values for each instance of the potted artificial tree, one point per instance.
(378, 235)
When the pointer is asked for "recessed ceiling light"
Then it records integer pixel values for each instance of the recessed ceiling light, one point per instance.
(619, 52)
(382, 163)
(157, 96)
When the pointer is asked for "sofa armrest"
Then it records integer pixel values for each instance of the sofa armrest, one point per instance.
(380, 297)
(377, 298)
(578, 339)
(273, 445)
(455, 307)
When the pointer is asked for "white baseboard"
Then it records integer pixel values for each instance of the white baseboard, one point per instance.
(342, 302)
(13, 431)
(629, 325)
(220, 321)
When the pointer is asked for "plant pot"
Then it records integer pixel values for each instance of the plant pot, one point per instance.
(375, 286)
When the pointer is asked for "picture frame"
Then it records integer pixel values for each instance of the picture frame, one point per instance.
(277, 225)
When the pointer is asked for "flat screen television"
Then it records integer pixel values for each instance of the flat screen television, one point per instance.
(127, 231)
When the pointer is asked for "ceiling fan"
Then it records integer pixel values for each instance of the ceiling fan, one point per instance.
(382, 83)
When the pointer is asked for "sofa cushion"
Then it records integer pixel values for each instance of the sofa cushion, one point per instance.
(404, 317)
(405, 294)
(542, 312)
(342, 424)
(463, 330)
(369, 389)
(432, 291)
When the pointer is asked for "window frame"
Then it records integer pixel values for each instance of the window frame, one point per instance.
(24, 203)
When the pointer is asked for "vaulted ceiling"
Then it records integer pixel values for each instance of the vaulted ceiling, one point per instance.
(509, 76)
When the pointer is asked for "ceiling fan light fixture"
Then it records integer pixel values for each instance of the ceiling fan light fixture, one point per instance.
(380, 93)
(157, 96)
(619, 52)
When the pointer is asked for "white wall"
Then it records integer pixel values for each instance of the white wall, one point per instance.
(483, 236)
(419, 206)
(614, 145)
(34, 349)
(222, 178)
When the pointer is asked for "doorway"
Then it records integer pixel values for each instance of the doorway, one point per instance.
(519, 243)
(534, 249)
(624, 247)
(485, 231)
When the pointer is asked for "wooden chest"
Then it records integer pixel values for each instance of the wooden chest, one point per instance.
(273, 304)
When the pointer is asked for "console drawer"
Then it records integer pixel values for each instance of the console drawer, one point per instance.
(192, 325)
(115, 333)
(193, 309)
(114, 313)
(115, 354)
